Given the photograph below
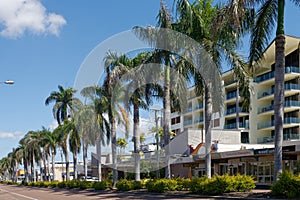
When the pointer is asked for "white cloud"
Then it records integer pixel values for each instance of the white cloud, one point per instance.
(53, 125)
(20, 16)
(11, 135)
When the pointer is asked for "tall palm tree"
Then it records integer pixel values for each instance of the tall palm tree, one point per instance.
(65, 104)
(269, 14)
(52, 141)
(74, 142)
(112, 92)
(195, 20)
(101, 105)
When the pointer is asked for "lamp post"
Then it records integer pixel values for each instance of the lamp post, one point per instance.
(156, 110)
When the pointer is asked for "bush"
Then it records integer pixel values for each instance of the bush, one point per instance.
(61, 184)
(102, 185)
(53, 184)
(124, 185)
(72, 184)
(85, 184)
(161, 185)
(182, 184)
(243, 183)
(197, 185)
(287, 185)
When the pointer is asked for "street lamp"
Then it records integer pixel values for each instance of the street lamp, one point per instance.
(156, 110)
(8, 82)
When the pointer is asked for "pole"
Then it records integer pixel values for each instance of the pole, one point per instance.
(157, 150)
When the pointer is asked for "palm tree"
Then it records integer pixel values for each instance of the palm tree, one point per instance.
(74, 142)
(50, 146)
(195, 21)
(112, 92)
(100, 104)
(269, 14)
(65, 104)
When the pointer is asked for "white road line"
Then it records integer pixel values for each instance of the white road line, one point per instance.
(20, 195)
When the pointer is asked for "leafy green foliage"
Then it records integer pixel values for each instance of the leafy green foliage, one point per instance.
(102, 185)
(161, 185)
(287, 186)
(124, 185)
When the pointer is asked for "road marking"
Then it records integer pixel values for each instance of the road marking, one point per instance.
(20, 195)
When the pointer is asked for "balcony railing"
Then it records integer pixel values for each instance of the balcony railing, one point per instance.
(188, 122)
(287, 86)
(285, 137)
(199, 106)
(290, 120)
(271, 74)
(233, 125)
(233, 110)
(189, 109)
(231, 95)
(286, 104)
(200, 119)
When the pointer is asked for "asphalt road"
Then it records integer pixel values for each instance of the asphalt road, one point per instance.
(13, 192)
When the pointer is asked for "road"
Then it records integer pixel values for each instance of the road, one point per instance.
(13, 192)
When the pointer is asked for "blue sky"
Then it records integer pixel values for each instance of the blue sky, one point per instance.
(45, 46)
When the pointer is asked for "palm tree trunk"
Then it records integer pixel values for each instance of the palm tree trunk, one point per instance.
(53, 164)
(136, 134)
(278, 103)
(41, 170)
(98, 149)
(26, 169)
(84, 148)
(33, 168)
(114, 151)
(75, 165)
(48, 166)
(67, 163)
(167, 115)
(208, 114)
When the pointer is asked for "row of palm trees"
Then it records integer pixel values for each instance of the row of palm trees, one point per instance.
(130, 84)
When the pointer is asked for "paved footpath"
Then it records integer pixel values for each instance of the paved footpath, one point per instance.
(13, 192)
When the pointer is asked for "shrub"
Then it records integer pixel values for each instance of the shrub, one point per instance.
(53, 184)
(161, 185)
(124, 185)
(61, 184)
(102, 185)
(197, 185)
(243, 183)
(182, 184)
(287, 185)
(85, 184)
(72, 184)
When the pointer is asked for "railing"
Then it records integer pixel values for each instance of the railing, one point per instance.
(190, 109)
(188, 122)
(200, 119)
(285, 137)
(290, 120)
(231, 95)
(233, 110)
(270, 75)
(233, 125)
(287, 86)
(230, 82)
(286, 104)
(199, 106)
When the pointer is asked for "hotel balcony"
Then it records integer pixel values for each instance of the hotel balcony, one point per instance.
(187, 122)
(233, 125)
(289, 89)
(267, 77)
(198, 120)
(285, 137)
(198, 107)
(288, 106)
(232, 112)
(269, 125)
(188, 110)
